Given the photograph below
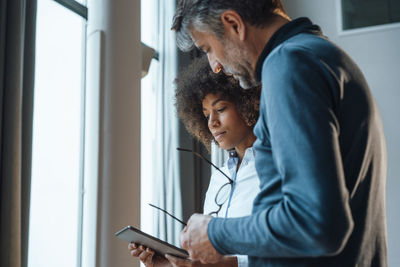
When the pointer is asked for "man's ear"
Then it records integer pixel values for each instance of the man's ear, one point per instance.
(233, 24)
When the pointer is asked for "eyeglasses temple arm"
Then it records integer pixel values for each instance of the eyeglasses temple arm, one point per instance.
(204, 158)
(168, 214)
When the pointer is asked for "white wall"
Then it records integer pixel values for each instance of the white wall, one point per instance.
(377, 52)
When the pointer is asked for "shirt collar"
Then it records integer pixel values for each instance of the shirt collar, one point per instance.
(249, 154)
(290, 29)
(233, 157)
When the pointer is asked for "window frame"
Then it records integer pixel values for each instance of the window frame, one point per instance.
(361, 30)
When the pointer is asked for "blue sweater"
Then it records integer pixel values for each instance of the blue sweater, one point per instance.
(321, 159)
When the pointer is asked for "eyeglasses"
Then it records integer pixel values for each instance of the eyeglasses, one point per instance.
(168, 214)
(224, 191)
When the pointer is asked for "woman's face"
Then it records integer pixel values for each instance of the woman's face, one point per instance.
(225, 124)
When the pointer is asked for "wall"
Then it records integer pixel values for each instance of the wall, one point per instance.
(377, 52)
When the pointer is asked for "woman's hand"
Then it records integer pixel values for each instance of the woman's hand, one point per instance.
(147, 256)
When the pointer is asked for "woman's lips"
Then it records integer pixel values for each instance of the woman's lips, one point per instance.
(218, 136)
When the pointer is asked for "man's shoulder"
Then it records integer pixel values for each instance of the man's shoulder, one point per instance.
(301, 45)
(299, 54)
(288, 58)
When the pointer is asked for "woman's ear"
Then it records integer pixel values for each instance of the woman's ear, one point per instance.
(233, 24)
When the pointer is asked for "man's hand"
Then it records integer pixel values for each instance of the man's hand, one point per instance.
(227, 261)
(178, 262)
(195, 240)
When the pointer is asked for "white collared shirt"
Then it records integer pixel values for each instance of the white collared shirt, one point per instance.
(245, 189)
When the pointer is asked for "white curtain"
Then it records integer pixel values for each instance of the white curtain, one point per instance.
(160, 171)
(218, 156)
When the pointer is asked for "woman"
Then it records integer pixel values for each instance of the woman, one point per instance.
(214, 108)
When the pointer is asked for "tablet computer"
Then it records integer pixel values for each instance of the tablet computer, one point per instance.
(133, 235)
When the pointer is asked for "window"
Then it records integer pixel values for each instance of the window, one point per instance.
(149, 85)
(55, 223)
(160, 178)
(364, 13)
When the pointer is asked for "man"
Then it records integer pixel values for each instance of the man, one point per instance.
(320, 149)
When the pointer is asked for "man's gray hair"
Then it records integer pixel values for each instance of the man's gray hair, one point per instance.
(205, 15)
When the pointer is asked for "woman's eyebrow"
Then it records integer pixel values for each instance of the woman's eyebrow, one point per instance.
(216, 101)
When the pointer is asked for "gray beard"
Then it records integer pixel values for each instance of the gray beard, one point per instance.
(242, 69)
(247, 81)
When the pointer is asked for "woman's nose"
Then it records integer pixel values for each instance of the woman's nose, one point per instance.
(213, 121)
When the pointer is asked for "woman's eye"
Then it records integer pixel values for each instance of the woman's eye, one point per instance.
(221, 109)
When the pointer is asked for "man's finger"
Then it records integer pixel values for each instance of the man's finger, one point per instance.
(193, 254)
(184, 240)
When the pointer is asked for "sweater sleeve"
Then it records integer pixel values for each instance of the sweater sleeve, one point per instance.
(312, 216)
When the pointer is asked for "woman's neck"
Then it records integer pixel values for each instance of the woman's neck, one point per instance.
(247, 142)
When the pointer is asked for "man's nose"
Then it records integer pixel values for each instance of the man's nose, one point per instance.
(214, 64)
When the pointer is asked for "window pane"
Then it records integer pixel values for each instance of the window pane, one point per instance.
(56, 159)
(363, 13)
(149, 36)
(394, 10)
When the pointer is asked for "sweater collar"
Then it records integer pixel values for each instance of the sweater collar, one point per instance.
(290, 29)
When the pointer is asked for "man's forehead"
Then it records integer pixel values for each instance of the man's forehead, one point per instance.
(201, 38)
(196, 35)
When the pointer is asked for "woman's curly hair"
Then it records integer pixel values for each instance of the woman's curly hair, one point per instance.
(198, 80)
